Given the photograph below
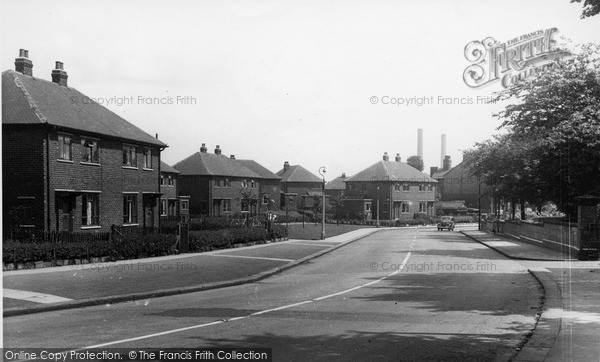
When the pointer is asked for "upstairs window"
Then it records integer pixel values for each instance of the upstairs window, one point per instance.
(244, 183)
(217, 183)
(90, 151)
(147, 158)
(64, 147)
(171, 181)
(162, 180)
(129, 156)
(185, 205)
(253, 184)
(227, 182)
(405, 187)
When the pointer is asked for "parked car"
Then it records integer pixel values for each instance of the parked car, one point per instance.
(446, 222)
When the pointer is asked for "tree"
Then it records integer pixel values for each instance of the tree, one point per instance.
(553, 135)
(590, 7)
(415, 162)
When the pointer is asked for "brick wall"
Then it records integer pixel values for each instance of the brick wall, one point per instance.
(23, 187)
(560, 236)
(109, 178)
(390, 199)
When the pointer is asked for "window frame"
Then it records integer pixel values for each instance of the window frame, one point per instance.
(131, 156)
(61, 150)
(94, 213)
(133, 218)
(94, 156)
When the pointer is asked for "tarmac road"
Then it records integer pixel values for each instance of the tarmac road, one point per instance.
(402, 294)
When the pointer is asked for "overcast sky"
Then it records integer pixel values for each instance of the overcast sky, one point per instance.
(279, 81)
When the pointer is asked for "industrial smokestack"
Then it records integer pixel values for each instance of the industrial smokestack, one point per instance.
(443, 155)
(420, 143)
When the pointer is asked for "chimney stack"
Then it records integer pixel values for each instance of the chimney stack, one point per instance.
(420, 143)
(23, 64)
(447, 163)
(432, 170)
(343, 175)
(286, 166)
(217, 150)
(203, 149)
(443, 151)
(386, 157)
(59, 76)
(398, 158)
(232, 157)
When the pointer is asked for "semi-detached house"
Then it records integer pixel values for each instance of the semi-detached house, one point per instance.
(70, 164)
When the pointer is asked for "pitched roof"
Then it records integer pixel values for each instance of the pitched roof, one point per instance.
(166, 168)
(297, 173)
(338, 183)
(30, 100)
(209, 164)
(390, 170)
(259, 169)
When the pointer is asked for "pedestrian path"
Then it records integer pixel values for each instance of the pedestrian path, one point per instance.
(516, 249)
(36, 290)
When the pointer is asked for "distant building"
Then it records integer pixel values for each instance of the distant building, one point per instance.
(402, 191)
(298, 187)
(337, 186)
(173, 206)
(458, 187)
(70, 164)
(269, 186)
(222, 186)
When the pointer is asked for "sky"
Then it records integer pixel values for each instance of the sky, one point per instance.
(309, 82)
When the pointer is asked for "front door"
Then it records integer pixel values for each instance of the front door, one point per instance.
(66, 212)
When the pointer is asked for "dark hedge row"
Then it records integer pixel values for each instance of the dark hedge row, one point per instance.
(133, 246)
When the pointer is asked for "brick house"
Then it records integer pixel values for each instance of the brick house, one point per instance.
(402, 191)
(457, 184)
(269, 186)
(337, 186)
(69, 163)
(298, 187)
(173, 206)
(218, 185)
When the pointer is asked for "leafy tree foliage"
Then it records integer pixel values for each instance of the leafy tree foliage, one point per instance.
(552, 149)
(416, 162)
(590, 7)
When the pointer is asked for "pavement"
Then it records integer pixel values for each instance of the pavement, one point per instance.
(38, 290)
(569, 326)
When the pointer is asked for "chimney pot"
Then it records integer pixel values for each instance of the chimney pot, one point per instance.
(343, 175)
(217, 150)
(23, 64)
(432, 170)
(203, 148)
(232, 157)
(59, 76)
(398, 158)
(286, 166)
(386, 157)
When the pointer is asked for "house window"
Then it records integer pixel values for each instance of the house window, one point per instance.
(172, 207)
(405, 187)
(162, 180)
(64, 147)
(163, 207)
(368, 207)
(244, 183)
(363, 187)
(397, 187)
(430, 187)
(253, 184)
(217, 183)
(129, 156)
(147, 158)
(422, 187)
(226, 205)
(227, 182)
(423, 206)
(90, 151)
(265, 200)
(171, 181)
(90, 209)
(185, 205)
(404, 207)
(130, 209)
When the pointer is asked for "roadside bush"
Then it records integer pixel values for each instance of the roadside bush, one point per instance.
(141, 246)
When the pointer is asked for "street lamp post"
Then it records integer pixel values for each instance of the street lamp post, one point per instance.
(322, 173)
(375, 179)
(479, 206)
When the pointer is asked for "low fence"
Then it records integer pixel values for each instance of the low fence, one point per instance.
(561, 236)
